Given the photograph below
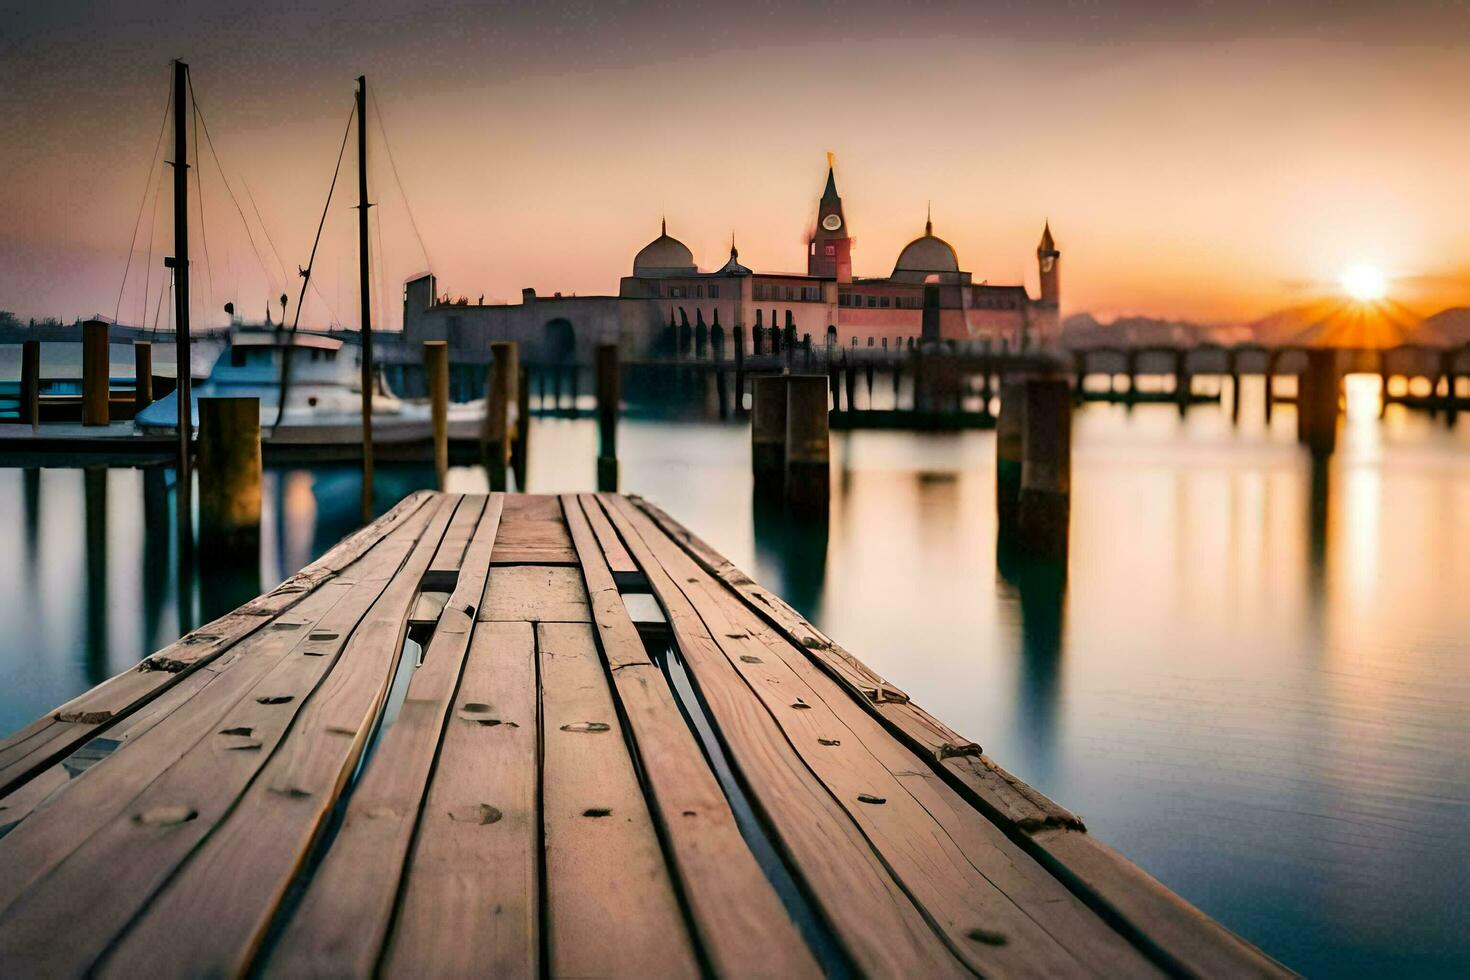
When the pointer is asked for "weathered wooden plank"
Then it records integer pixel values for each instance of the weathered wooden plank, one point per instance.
(472, 893)
(51, 738)
(881, 929)
(613, 552)
(741, 924)
(462, 526)
(343, 919)
(610, 905)
(533, 532)
(1157, 920)
(952, 887)
(780, 671)
(260, 845)
(535, 594)
(61, 861)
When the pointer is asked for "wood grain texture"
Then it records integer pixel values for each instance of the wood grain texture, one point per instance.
(613, 551)
(1176, 934)
(535, 594)
(158, 826)
(879, 926)
(740, 922)
(533, 532)
(611, 910)
(343, 919)
(258, 848)
(471, 902)
(457, 537)
(49, 739)
(953, 890)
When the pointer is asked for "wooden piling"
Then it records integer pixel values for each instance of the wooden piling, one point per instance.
(1317, 402)
(436, 379)
(1008, 438)
(737, 335)
(1182, 379)
(609, 394)
(808, 473)
(142, 375)
(1044, 507)
(1270, 396)
(30, 382)
(499, 396)
(768, 433)
(229, 476)
(520, 444)
(95, 373)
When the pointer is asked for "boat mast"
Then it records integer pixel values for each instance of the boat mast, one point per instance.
(180, 264)
(365, 293)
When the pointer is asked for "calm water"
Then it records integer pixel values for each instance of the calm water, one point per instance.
(1254, 680)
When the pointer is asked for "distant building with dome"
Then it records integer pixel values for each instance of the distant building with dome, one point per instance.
(828, 301)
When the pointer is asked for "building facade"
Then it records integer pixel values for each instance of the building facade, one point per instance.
(828, 302)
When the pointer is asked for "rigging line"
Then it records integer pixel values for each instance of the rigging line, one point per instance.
(306, 273)
(199, 194)
(148, 268)
(147, 184)
(285, 279)
(393, 165)
(209, 141)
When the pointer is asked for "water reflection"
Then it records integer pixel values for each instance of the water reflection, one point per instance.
(94, 482)
(1038, 586)
(796, 548)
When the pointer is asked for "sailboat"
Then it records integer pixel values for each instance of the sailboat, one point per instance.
(311, 385)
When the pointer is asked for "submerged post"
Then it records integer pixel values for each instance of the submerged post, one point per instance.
(1044, 508)
(95, 373)
(808, 473)
(142, 375)
(30, 382)
(229, 475)
(365, 300)
(768, 433)
(1316, 402)
(436, 377)
(499, 396)
(520, 446)
(609, 393)
(1008, 453)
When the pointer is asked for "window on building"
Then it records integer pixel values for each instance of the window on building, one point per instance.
(872, 302)
(714, 291)
(699, 291)
(830, 250)
(883, 302)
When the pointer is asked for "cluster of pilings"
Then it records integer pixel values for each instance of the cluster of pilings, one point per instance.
(789, 444)
(97, 399)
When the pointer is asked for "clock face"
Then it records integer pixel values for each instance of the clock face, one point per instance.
(1047, 263)
(832, 222)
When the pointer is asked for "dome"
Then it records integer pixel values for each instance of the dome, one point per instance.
(664, 256)
(925, 255)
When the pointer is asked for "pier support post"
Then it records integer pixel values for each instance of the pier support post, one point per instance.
(1008, 429)
(1044, 508)
(1182, 379)
(30, 382)
(142, 375)
(229, 476)
(1316, 402)
(609, 394)
(737, 336)
(95, 373)
(808, 473)
(768, 433)
(499, 396)
(436, 379)
(520, 446)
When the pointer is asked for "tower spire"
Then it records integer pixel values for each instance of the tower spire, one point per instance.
(663, 225)
(929, 219)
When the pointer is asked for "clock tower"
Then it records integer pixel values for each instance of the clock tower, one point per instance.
(830, 252)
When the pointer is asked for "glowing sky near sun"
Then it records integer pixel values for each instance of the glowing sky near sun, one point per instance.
(1193, 162)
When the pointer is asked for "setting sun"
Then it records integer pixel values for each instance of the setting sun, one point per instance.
(1364, 283)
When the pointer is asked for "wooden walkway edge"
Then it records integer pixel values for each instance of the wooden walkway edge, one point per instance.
(545, 736)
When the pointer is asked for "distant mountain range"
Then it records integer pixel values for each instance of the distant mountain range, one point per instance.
(1382, 325)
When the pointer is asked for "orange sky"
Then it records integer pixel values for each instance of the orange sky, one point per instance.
(1215, 176)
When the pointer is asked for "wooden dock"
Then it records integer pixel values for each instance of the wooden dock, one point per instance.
(602, 751)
